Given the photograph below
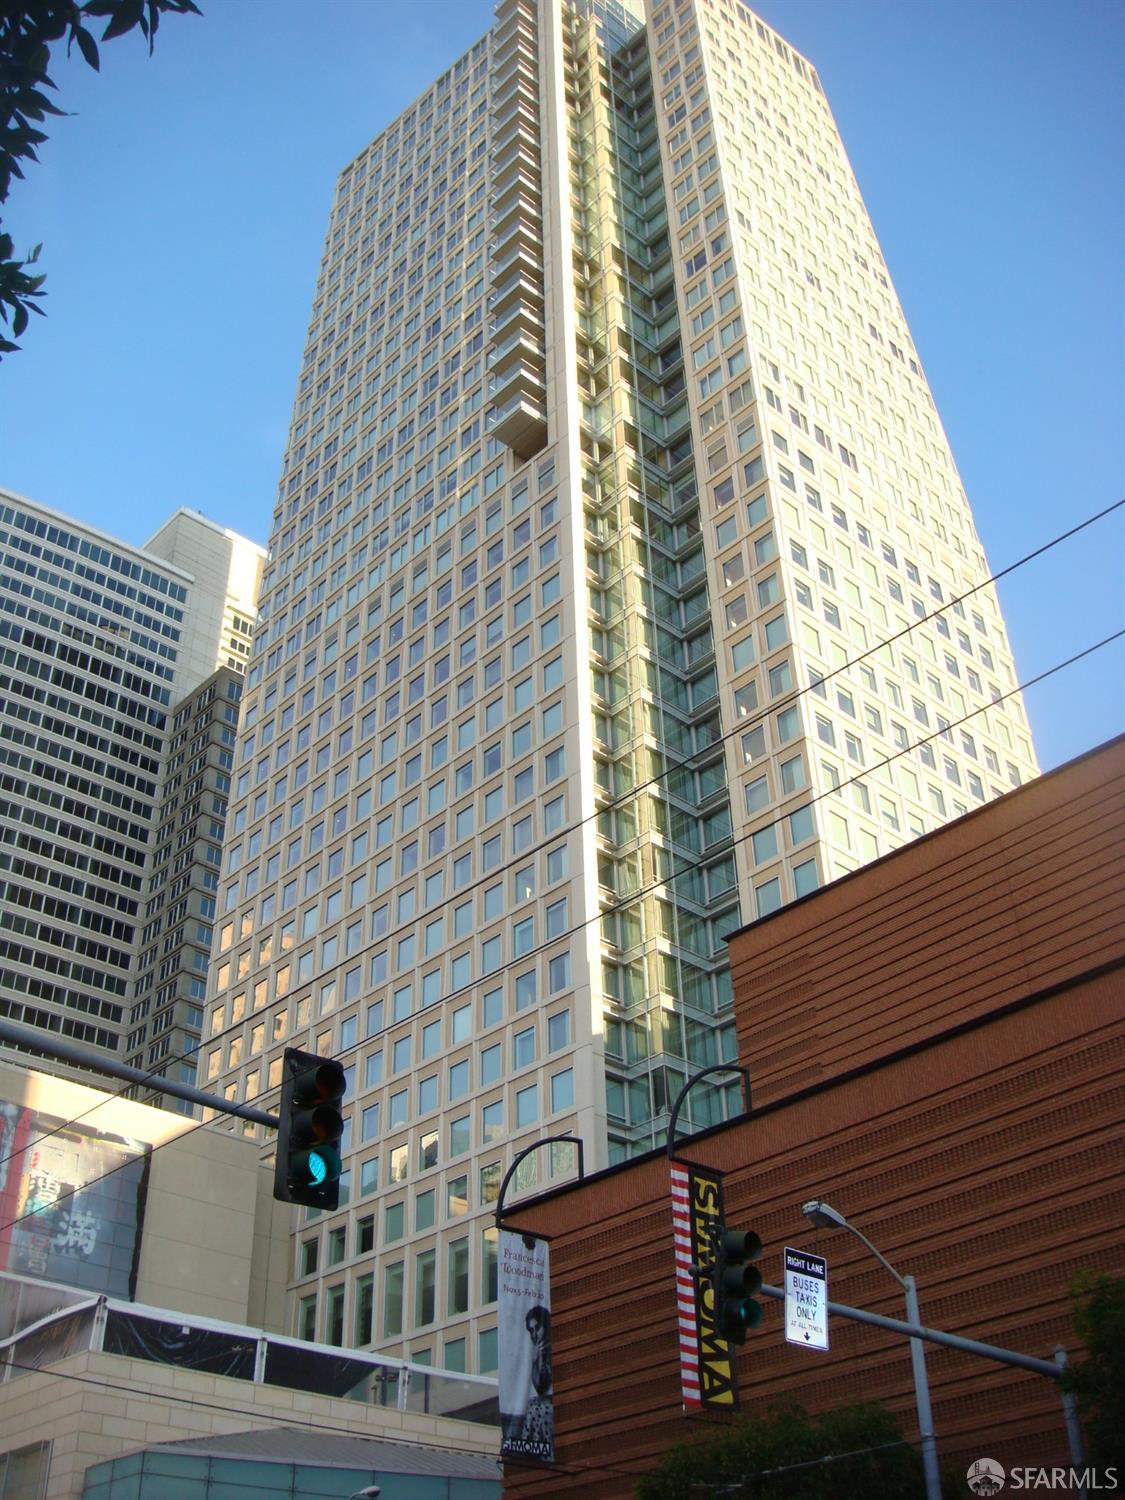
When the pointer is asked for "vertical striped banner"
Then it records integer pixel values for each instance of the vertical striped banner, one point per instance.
(687, 1311)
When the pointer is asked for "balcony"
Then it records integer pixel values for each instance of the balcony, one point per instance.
(520, 426)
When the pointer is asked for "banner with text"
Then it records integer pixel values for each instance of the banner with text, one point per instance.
(527, 1412)
(707, 1376)
(72, 1201)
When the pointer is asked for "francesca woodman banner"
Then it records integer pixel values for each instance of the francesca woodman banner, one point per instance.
(527, 1412)
(707, 1377)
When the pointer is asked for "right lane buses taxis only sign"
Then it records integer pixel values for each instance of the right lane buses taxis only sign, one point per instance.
(806, 1299)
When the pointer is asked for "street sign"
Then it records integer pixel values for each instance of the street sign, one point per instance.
(806, 1299)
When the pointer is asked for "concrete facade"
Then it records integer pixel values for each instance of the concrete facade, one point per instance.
(210, 1261)
(227, 570)
(959, 1102)
(213, 1242)
(170, 985)
(99, 642)
(94, 1407)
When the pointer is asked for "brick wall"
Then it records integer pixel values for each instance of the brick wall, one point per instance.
(950, 1025)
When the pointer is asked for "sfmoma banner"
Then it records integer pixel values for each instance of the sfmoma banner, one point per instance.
(527, 1413)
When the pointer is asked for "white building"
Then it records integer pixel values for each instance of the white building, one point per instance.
(99, 642)
(612, 468)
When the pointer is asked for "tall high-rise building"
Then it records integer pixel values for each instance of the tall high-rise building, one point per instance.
(612, 468)
(99, 642)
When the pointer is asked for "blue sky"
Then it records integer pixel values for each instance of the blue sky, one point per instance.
(183, 204)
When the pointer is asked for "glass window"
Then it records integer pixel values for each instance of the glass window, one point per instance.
(767, 897)
(457, 1287)
(492, 1121)
(558, 1031)
(458, 1079)
(457, 1197)
(393, 1276)
(805, 878)
(765, 844)
(527, 1105)
(459, 1136)
(523, 1048)
(757, 794)
(562, 1090)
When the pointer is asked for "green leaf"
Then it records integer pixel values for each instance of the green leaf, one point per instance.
(87, 46)
(128, 13)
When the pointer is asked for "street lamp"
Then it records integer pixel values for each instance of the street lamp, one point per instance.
(372, 1492)
(824, 1216)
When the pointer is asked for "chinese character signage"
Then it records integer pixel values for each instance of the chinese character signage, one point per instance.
(527, 1413)
(71, 1202)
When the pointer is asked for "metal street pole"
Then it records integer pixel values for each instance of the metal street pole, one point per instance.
(922, 1396)
(1073, 1425)
(826, 1217)
(1052, 1369)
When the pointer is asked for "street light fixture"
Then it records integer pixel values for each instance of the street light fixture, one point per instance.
(824, 1216)
(372, 1492)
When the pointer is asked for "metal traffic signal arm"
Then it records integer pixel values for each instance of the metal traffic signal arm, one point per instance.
(1055, 1370)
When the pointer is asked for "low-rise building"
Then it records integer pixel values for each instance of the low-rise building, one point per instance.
(143, 1270)
(934, 1046)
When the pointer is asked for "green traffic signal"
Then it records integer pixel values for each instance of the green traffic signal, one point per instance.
(736, 1282)
(310, 1129)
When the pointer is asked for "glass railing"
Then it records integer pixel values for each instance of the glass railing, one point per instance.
(108, 1326)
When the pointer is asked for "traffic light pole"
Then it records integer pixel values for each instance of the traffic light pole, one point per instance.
(33, 1040)
(1053, 1369)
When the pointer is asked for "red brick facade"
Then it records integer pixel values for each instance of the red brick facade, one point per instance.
(936, 1046)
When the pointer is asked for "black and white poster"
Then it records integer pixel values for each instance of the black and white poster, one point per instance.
(527, 1413)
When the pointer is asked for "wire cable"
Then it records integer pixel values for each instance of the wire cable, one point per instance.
(598, 916)
(624, 798)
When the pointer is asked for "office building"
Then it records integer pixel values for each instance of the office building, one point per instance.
(166, 1015)
(100, 641)
(612, 466)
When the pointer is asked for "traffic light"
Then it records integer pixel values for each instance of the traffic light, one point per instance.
(735, 1282)
(309, 1131)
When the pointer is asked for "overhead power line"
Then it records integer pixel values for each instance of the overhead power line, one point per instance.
(623, 798)
(597, 916)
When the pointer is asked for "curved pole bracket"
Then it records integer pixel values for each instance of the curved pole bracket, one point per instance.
(691, 1082)
(547, 1140)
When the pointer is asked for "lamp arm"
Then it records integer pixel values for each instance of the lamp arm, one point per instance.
(882, 1259)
